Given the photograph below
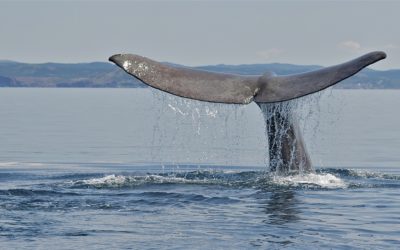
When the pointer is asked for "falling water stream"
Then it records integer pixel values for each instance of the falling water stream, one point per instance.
(284, 122)
(286, 148)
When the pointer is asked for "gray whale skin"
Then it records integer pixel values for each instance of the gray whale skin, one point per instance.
(287, 154)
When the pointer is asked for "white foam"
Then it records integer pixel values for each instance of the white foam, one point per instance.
(111, 180)
(120, 180)
(322, 180)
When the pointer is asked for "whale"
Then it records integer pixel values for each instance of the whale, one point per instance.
(286, 148)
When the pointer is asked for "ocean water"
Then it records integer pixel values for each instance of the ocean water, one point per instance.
(137, 169)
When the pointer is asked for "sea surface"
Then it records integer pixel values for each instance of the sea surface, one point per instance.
(138, 169)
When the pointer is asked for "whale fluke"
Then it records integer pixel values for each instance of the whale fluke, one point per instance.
(190, 83)
(284, 88)
(230, 88)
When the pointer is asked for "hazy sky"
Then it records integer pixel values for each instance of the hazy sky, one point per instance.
(200, 32)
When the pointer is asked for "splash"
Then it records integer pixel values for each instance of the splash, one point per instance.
(361, 174)
(237, 179)
(310, 180)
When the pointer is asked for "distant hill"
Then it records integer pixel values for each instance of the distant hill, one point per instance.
(107, 75)
(80, 75)
(365, 79)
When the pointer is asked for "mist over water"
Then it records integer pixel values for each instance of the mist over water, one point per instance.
(132, 168)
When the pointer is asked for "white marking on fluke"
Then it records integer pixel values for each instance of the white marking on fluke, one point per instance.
(126, 65)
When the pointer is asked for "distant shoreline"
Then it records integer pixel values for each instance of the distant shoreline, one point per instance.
(107, 75)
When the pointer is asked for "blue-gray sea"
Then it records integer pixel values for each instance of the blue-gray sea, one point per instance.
(137, 169)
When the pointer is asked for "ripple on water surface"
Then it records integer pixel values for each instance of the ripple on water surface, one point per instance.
(229, 208)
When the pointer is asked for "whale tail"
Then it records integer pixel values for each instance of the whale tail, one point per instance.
(287, 151)
(229, 88)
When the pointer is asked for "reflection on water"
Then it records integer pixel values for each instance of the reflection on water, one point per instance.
(281, 207)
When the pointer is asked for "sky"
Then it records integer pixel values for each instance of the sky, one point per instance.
(200, 32)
